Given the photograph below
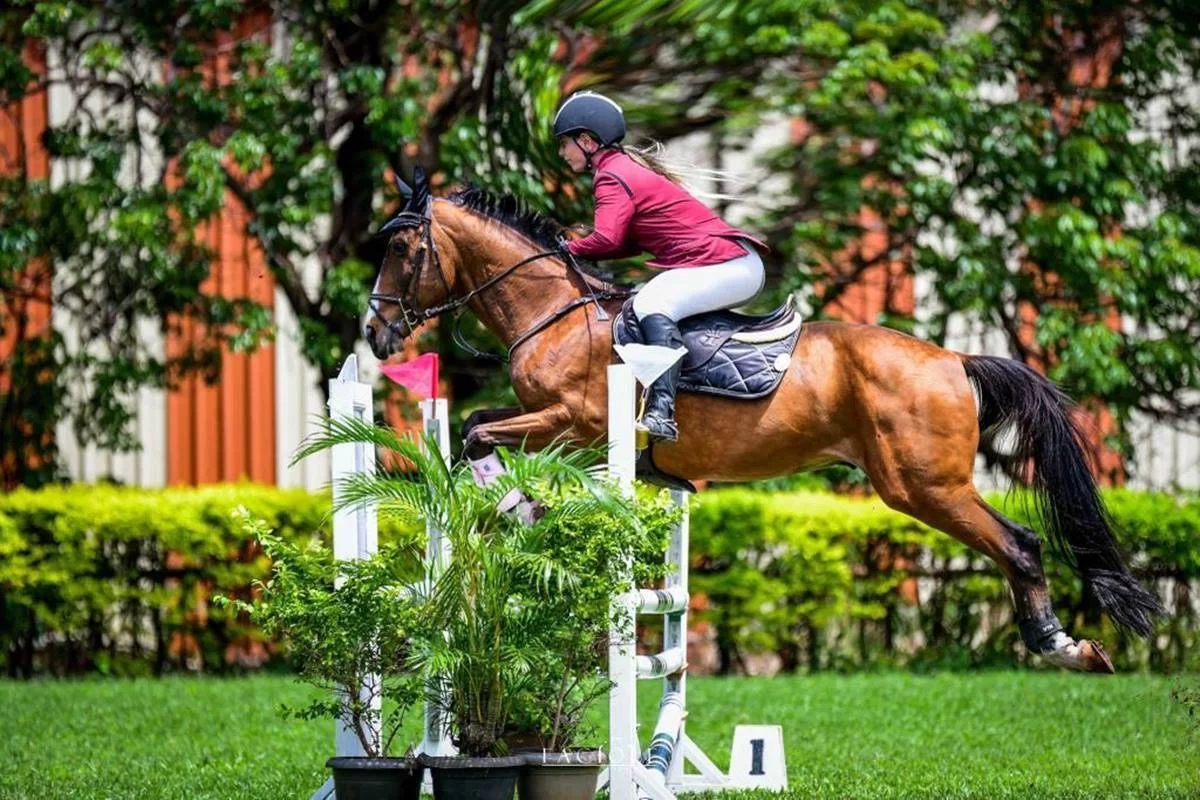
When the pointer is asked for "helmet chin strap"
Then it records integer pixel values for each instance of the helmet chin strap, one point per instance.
(587, 157)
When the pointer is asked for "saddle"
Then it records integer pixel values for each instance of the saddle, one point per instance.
(728, 354)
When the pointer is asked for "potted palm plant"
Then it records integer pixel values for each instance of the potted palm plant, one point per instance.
(548, 722)
(349, 629)
(496, 604)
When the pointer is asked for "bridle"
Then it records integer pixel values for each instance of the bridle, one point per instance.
(411, 316)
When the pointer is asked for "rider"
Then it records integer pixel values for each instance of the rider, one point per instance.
(640, 206)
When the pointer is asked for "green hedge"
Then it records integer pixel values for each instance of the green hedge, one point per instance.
(826, 581)
(118, 580)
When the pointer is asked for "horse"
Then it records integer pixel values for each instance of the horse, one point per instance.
(910, 414)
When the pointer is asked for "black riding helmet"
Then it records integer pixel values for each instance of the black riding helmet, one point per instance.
(591, 112)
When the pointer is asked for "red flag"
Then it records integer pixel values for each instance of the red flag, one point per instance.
(419, 376)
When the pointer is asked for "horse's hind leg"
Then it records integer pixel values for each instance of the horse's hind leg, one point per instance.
(963, 514)
(1040, 628)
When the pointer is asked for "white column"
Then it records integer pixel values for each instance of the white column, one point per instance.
(355, 531)
(624, 750)
(435, 416)
(675, 626)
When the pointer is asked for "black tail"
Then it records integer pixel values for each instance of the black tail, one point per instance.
(1065, 493)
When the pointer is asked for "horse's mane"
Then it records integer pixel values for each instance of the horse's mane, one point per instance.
(514, 213)
(510, 211)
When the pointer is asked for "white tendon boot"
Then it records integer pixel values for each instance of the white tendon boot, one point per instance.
(486, 471)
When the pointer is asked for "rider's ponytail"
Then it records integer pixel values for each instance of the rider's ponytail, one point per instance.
(652, 157)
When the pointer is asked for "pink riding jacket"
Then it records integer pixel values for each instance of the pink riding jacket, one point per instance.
(638, 210)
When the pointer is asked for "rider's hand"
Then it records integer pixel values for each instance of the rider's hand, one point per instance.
(563, 251)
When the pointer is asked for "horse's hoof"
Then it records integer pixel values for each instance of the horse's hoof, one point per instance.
(530, 511)
(1092, 657)
(1085, 655)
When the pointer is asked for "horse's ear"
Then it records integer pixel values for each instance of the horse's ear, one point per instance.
(419, 202)
(390, 225)
(405, 190)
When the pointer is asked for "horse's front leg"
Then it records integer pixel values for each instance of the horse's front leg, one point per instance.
(485, 415)
(510, 427)
(533, 431)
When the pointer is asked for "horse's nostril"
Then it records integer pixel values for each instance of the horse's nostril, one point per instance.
(369, 334)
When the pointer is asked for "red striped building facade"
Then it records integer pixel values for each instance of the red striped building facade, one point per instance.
(246, 424)
(26, 311)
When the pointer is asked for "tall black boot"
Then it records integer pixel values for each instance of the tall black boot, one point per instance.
(659, 419)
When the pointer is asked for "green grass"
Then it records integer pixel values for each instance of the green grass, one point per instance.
(984, 735)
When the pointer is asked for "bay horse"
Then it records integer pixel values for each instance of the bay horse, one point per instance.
(910, 414)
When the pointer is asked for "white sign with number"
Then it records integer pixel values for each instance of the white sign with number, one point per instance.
(756, 759)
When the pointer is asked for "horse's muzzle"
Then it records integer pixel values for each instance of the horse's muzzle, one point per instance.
(382, 340)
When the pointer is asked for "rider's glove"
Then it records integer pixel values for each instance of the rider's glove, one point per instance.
(563, 250)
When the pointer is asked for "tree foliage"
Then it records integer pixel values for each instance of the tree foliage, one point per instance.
(1030, 161)
(1033, 161)
(291, 111)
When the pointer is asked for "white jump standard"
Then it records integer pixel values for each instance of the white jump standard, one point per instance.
(757, 759)
(355, 530)
(355, 534)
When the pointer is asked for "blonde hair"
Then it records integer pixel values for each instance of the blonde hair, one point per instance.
(651, 155)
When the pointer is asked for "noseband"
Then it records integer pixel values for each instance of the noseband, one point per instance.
(411, 317)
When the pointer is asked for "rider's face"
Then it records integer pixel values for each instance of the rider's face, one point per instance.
(571, 150)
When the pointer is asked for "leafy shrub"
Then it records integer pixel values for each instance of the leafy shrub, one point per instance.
(349, 627)
(118, 580)
(826, 581)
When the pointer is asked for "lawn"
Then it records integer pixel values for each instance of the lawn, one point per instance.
(984, 735)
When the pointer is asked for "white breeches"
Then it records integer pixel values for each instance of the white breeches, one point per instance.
(685, 291)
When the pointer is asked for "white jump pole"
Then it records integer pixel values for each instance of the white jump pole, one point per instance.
(628, 778)
(624, 752)
(435, 417)
(757, 759)
(355, 530)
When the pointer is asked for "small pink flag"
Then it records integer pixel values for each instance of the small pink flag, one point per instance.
(419, 376)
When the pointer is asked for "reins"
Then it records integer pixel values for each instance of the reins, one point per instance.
(412, 317)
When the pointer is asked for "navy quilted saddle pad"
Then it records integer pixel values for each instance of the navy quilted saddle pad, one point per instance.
(729, 354)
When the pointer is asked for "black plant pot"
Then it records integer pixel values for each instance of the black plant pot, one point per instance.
(461, 778)
(376, 778)
(569, 775)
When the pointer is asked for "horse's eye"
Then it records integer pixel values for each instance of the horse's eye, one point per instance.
(399, 247)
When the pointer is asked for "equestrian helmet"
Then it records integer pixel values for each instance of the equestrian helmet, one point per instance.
(591, 112)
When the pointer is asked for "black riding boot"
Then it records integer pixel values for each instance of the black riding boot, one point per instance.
(659, 419)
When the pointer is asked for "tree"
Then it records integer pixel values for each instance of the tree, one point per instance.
(1087, 198)
(1032, 159)
(291, 113)
(969, 143)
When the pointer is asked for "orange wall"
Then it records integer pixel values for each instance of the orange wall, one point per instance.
(225, 430)
(885, 287)
(24, 312)
(21, 127)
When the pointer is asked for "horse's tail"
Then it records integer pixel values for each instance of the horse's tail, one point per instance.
(1026, 425)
